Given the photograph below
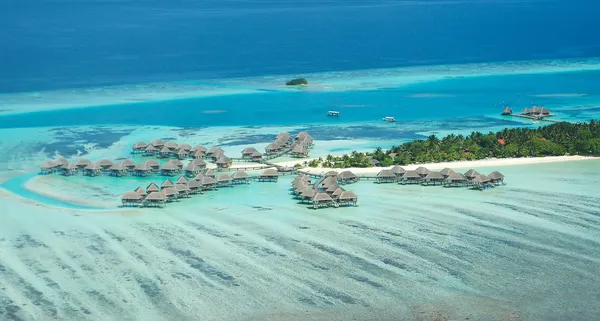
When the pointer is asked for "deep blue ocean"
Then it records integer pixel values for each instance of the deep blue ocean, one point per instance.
(52, 44)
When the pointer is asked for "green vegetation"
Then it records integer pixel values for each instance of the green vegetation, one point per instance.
(297, 82)
(298, 166)
(553, 140)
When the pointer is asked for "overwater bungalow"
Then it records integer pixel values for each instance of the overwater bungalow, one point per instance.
(257, 156)
(92, 169)
(82, 163)
(131, 199)
(139, 147)
(482, 182)
(129, 164)
(68, 169)
(272, 148)
(177, 163)
(215, 151)
(182, 180)
(301, 135)
(166, 184)
(197, 154)
(322, 200)
(347, 177)
(470, 174)
(446, 172)
(158, 143)
(411, 177)
(347, 198)
(142, 169)
(240, 177)
(153, 164)
(199, 162)
(398, 170)
(423, 171)
(182, 190)
(496, 178)
(187, 148)
(456, 180)
(332, 188)
(105, 164)
(199, 177)
(208, 183)
(141, 192)
(150, 150)
(299, 151)
(284, 136)
(268, 175)
(171, 193)
(507, 111)
(172, 146)
(170, 169)
(331, 173)
(386, 176)
(181, 153)
(337, 193)
(118, 170)
(307, 194)
(192, 170)
(155, 199)
(536, 111)
(302, 177)
(433, 178)
(152, 188)
(282, 142)
(224, 180)
(165, 152)
(247, 152)
(299, 188)
(194, 186)
(199, 148)
(209, 173)
(60, 162)
(224, 162)
(48, 167)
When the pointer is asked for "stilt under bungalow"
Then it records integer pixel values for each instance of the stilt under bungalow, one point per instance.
(482, 182)
(131, 199)
(386, 176)
(48, 167)
(92, 169)
(171, 194)
(105, 164)
(433, 178)
(347, 177)
(150, 151)
(456, 180)
(68, 169)
(142, 169)
(118, 170)
(170, 169)
(183, 190)
(199, 162)
(155, 199)
(240, 177)
(194, 187)
(322, 200)
(307, 195)
(496, 178)
(158, 143)
(172, 146)
(269, 175)
(82, 163)
(347, 198)
(224, 180)
(208, 183)
(154, 165)
(411, 177)
(192, 170)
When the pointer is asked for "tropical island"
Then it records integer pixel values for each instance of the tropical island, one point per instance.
(554, 140)
(297, 82)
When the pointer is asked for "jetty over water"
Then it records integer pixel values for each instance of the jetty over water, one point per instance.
(534, 113)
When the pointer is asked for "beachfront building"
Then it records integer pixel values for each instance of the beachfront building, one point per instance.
(215, 152)
(411, 177)
(322, 200)
(48, 167)
(496, 178)
(240, 177)
(398, 171)
(386, 176)
(268, 175)
(347, 198)
(68, 169)
(433, 178)
(224, 180)
(139, 147)
(142, 169)
(82, 163)
(150, 151)
(170, 169)
(347, 177)
(131, 199)
(247, 152)
(224, 162)
(155, 199)
(456, 180)
(92, 169)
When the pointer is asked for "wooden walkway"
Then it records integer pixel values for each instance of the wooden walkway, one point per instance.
(540, 118)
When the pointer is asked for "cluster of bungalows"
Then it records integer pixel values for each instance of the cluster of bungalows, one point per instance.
(281, 144)
(162, 149)
(301, 144)
(326, 192)
(536, 111)
(296, 147)
(446, 177)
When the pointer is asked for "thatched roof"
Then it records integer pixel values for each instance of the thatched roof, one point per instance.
(471, 173)
(239, 174)
(495, 175)
(301, 135)
(434, 175)
(337, 192)
(93, 167)
(166, 183)
(185, 147)
(411, 174)
(198, 162)
(207, 181)
(131, 196)
(285, 135)
(249, 151)
(332, 188)
(176, 162)
(223, 160)
(297, 185)
(328, 181)
(158, 143)
(181, 188)
(397, 170)
(456, 177)
(60, 161)
(140, 191)
(302, 177)
(209, 173)
(165, 150)
(117, 167)
(272, 146)
(309, 192)
(105, 163)
(386, 173)
(151, 148)
(171, 145)
(300, 188)
(331, 173)
(192, 168)
(216, 150)
(170, 166)
(422, 170)
(170, 191)
(481, 179)
(193, 184)
(182, 152)
(152, 188)
(299, 149)
(48, 165)
(156, 196)
(128, 163)
(346, 175)
(181, 180)
(199, 148)
(446, 171)
(140, 145)
(199, 177)
(322, 197)
(82, 162)
(198, 154)
(270, 172)
(374, 162)
(224, 178)
(347, 195)
(256, 154)
(152, 163)
(69, 166)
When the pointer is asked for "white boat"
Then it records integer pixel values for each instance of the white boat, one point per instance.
(389, 119)
(333, 113)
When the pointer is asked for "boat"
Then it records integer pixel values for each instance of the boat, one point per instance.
(389, 119)
(333, 113)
